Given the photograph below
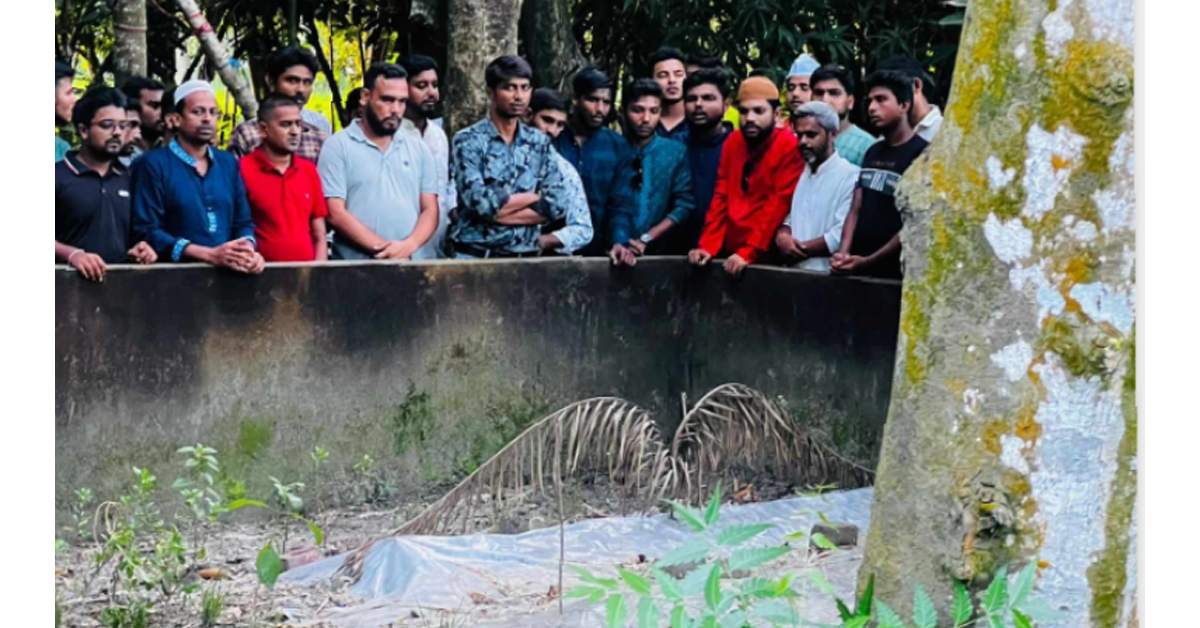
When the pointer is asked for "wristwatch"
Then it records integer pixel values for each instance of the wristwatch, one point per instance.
(645, 239)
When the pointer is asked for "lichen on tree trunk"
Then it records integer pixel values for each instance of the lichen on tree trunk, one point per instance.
(479, 31)
(129, 39)
(1012, 433)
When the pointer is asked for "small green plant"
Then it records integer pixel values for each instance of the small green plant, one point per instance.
(81, 513)
(134, 615)
(197, 486)
(320, 458)
(211, 606)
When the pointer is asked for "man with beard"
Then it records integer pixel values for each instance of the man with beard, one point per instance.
(423, 99)
(502, 169)
(813, 231)
(669, 71)
(653, 188)
(133, 132)
(64, 100)
(91, 191)
(381, 186)
(148, 94)
(548, 114)
(290, 73)
(287, 202)
(591, 147)
(706, 97)
(798, 85)
(189, 202)
(760, 165)
(871, 235)
(834, 86)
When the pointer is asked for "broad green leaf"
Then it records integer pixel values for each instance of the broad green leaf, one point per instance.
(680, 618)
(954, 19)
(713, 513)
(784, 585)
(712, 588)
(243, 503)
(886, 616)
(694, 582)
(857, 622)
(996, 596)
(1020, 620)
(843, 610)
(754, 557)
(597, 595)
(582, 592)
(734, 536)
(823, 541)
(963, 609)
(868, 596)
(669, 585)
(696, 550)
(639, 584)
(586, 576)
(818, 578)
(924, 613)
(269, 566)
(615, 611)
(710, 621)
(647, 613)
(317, 532)
(690, 516)
(1024, 583)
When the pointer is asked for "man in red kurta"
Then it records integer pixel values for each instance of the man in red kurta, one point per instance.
(760, 166)
(287, 201)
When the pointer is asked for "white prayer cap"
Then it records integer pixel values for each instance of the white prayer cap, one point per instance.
(192, 87)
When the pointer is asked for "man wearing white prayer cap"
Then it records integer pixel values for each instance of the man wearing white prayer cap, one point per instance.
(799, 91)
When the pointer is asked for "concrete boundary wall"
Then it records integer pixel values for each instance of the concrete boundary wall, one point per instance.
(430, 368)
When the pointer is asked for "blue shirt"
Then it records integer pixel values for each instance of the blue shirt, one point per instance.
(487, 171)
(596, 162)
(665, 190)
(60, 148)
(173, 206)
(704, 157)
(679, 134)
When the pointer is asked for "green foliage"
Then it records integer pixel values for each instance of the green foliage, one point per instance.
(211, 605)
(81, 513)
(268, 566)
(134, 615)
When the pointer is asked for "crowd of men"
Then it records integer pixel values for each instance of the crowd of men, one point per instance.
(796, 183)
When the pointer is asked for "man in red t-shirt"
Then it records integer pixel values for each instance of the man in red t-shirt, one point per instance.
(287, 202)
(760, 166)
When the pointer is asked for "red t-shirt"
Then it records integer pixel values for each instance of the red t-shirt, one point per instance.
(283, 206)
(744, 221)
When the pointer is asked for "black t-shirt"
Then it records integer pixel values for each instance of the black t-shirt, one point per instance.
(878, 218)
(90, 212)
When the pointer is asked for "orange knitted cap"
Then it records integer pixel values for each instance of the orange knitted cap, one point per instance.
(758, 88)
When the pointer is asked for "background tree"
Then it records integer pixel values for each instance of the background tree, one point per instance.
(481, 30)
(549, 42)
(1012, 433)
(129, 39)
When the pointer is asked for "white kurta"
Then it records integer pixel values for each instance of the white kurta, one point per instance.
(821, 204)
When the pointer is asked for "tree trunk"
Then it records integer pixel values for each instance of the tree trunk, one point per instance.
(479, 31)
(129, 39)
(314, 39)
(242, 92)
(1012, 433)
(546, 28)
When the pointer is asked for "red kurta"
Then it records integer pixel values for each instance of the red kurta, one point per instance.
(283, 206)
(744, 223)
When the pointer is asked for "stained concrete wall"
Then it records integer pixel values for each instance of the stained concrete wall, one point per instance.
(431, 368)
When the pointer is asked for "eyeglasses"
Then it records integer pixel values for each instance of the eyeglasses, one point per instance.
(638, 172)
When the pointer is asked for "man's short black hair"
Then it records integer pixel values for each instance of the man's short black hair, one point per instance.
(354, 98)
(704, 62)
(546, 98)
(168, 101)
(833, 72)
(716, 77)
(133, 87)
(417, 64)
(506, 68)
(266, 109)
(95, 100)
(897, 82)
(62, 71)
(386, 71)
(910, 66)
(639, 89)
(290, 57)
(589, 80)
(666, 53)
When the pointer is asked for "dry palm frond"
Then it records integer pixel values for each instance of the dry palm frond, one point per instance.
(735, 429)
(604, 435)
